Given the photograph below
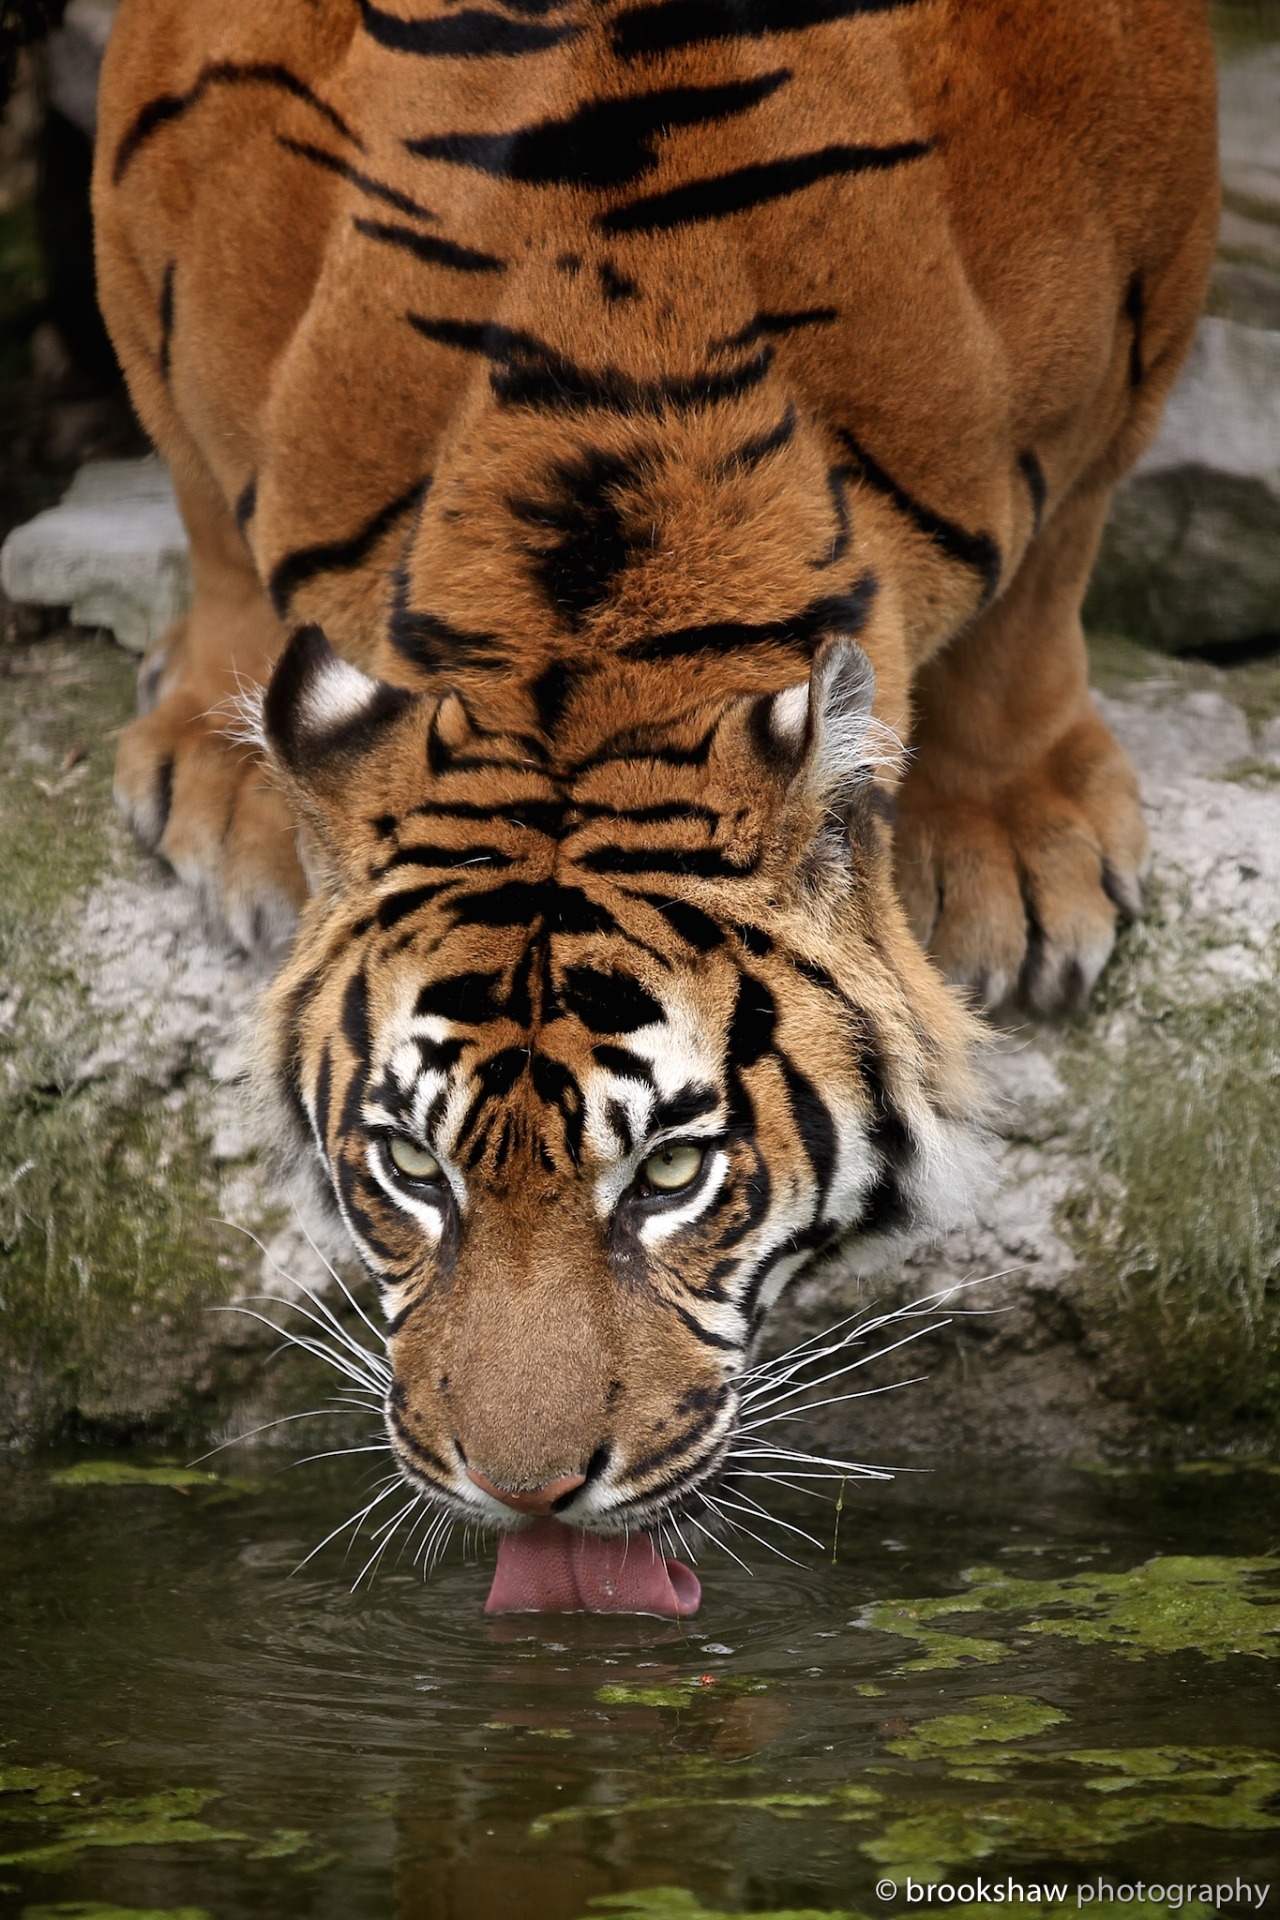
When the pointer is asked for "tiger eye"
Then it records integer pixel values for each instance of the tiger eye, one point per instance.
(673, 1167)
(412, 1160)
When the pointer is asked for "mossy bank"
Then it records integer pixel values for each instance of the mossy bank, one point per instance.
(122, 1145)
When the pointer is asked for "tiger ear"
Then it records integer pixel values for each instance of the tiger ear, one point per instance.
(320, 713)
(321, 717)
(820, 734)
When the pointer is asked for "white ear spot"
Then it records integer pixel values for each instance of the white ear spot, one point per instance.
(789, 714)
(335, 696)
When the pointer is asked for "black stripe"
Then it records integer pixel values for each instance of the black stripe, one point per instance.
(526, 372)
(752, 1026)
(674, 1449)
(587, 547)
(742, 188)
(431, 642)
(166, 318)
(1135, 312)
(291, 1063)
(545, 817)
(845, 614)
(1033, 473)
(748, 456)
(323, 1097)
(422, 855)
(694, 926)
(706, 863)
(701, 1333)
(555, 1084)
(398, 906)
(627, 747)
(608, 1002)
(168, 107)
(355, 1029)
(841, 539)
(522, 903)
(976, 550)
(375, 189)
(659, 815)
(247, 502)
(815, 1127)
(332, 556)
(657, 28)
(420, 1455)
(769, 324)
(605, 143)
(472, 34)
(681, 1109)
(428, 247)
(623, 1064)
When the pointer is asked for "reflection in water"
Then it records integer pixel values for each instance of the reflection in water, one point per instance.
(202, 1729)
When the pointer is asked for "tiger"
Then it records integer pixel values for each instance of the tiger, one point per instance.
(642, 462)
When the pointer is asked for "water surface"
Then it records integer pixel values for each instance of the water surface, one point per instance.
(190, 1724)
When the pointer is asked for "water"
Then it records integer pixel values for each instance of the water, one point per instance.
(393, 1752)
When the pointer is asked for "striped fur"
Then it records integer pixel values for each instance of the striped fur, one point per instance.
(642, 414)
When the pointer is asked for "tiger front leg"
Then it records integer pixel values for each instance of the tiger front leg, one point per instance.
(1020, 839)
(189, 783)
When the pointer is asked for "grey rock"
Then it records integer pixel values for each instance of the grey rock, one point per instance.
(1191, 557)
(113, 550)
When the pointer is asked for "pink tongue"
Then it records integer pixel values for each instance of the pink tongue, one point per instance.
(550, 1568)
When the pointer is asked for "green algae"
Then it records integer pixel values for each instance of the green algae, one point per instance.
(100, 1910)
(1214, 1606)
(991, 1717)
(1226, 1789)
(164, 1819)
(782, 1806)
(677, 1903)
(123, 1473)
(677, 1693)
(48, 1785)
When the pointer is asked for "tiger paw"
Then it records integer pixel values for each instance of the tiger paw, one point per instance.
(204, 801)
(1016, 892)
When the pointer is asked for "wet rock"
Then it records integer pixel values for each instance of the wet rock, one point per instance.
(113, 551)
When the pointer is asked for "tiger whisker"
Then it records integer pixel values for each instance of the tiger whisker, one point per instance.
(251, 1433)
(333, 1273)
(723, 1545)
(812, 1351)
(378, 1366)
(747, 1505)
(388, 1529)
(307, 1345)
(740, 1526)
(388, 1486)
(832, 1400)
(762, 1400)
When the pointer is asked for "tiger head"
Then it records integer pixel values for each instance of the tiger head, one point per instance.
(597, 1039)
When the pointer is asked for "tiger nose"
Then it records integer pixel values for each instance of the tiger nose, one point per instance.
(538, 1500)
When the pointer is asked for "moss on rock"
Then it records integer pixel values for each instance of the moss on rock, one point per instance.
(112, 1183)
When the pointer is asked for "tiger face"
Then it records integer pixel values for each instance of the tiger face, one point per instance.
(596, 1040)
